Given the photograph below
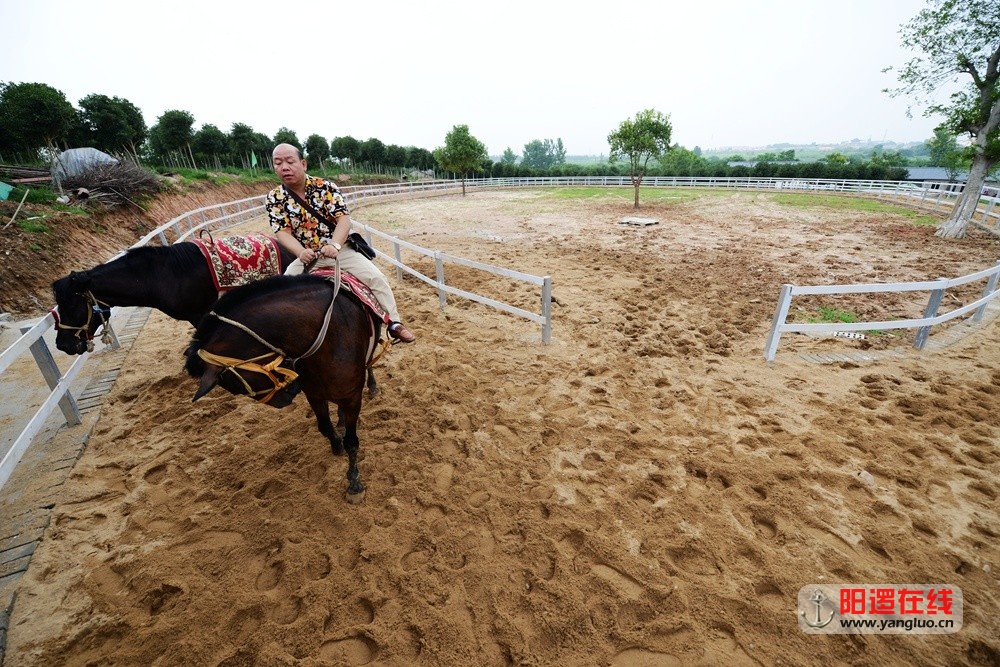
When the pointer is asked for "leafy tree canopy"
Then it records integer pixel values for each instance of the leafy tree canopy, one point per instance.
(110, 124)
(509, 157)
(210, 141)
(461, 153)
(640, 140)
(173, 130)
(317, 149)
(540, 154)
(286, 136)
(345, 148)
(956, 39)
(372, 151)
(34, 115)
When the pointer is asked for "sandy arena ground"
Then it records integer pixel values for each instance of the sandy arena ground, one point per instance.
(644, 491)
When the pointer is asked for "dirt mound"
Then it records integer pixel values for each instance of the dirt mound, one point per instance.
(59, 241)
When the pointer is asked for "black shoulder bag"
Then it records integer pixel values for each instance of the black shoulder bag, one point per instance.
(354, 240)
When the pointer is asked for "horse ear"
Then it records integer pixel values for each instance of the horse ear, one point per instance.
(208, 380)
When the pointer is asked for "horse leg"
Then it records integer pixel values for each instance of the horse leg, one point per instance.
(322, 410)
(372, 385)
(355, 489)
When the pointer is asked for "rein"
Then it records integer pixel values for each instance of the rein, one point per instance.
(276, 365)
(94, 305)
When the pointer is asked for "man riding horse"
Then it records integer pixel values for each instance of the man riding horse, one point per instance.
(309, 218)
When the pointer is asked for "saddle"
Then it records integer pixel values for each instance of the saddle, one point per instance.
(361, 292)
(238, 260)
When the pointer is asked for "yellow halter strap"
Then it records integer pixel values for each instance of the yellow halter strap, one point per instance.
(231, 364)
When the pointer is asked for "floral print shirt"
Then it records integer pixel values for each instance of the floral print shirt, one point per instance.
(285, 214)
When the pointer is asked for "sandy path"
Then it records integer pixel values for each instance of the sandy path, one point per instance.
(643, 491)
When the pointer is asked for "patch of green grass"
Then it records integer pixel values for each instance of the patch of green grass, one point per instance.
(831, 314)
(628, 193)
(35, 247)
(842, 203)
(33, 227)
(37, 194)
(77, 210)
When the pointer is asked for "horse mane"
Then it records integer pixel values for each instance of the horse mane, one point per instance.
(234, 299)
(181, 257)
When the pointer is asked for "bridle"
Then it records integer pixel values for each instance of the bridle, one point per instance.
(269, 369)
(94, 305)
(277, 365)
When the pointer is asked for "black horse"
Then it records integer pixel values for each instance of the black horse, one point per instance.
(273, 337)
(174, 279)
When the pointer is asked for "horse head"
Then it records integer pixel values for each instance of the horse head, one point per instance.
(264, 378)
(80, 313)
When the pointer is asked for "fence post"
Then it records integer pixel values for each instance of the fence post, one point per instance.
(547, 309)
(399, 259)
(50, 371)
(784, 301)
(439, 268)
(991, 287)
(933, 303)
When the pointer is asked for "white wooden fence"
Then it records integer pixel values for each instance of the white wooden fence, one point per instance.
(779, 324)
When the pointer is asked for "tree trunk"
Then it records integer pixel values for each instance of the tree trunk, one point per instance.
(463, 186)
(965, 207)
(636, 182)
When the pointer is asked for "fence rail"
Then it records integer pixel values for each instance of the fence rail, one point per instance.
(779, 324)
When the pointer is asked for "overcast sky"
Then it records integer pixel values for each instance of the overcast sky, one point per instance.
(729, 72)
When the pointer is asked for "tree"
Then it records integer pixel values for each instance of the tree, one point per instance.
(509, 157)
(461, 153)
(958, 38)
(345, 148)
(836, 159)
(395, 156)
(546, 154)
(535, 155)
(640, 140)
(419, 158)
(372, 151)
(317, 149)
(286, 136)
(241, 141)
(559, 152)
(173, 132)
(34, 115)
(110, 124)
(944, 151)
(210, 142)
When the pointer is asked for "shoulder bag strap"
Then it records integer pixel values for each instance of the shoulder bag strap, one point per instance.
(316, 214)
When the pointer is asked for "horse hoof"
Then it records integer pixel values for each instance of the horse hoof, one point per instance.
(356, 498)
(373, 391)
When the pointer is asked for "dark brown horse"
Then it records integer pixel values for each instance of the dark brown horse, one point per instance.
(273, 337)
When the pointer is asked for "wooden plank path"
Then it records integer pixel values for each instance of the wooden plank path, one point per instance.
(34, 489)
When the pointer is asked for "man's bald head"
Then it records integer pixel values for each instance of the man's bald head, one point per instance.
(285, 148)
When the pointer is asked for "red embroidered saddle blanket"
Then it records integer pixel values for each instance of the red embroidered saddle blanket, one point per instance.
(354, 285)
(238, 260)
